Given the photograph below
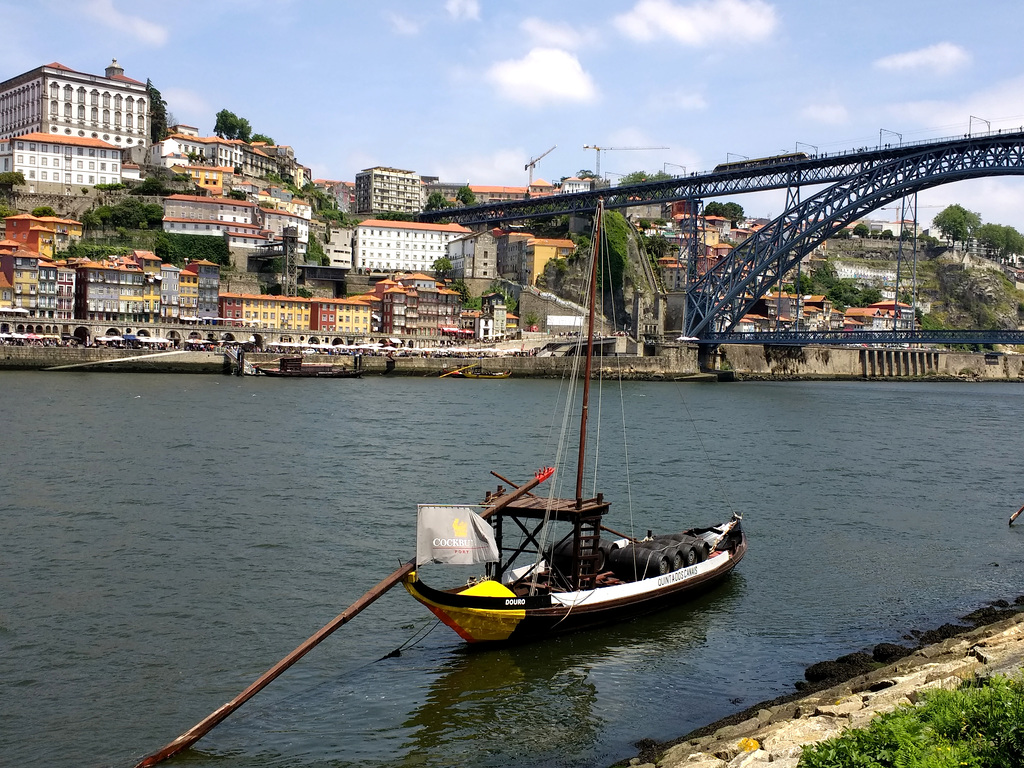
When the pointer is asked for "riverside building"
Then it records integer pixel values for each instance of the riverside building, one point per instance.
(59, 101)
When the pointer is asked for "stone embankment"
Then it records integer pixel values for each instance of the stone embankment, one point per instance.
(773, 736)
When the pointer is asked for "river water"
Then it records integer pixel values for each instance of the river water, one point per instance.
(168, 538)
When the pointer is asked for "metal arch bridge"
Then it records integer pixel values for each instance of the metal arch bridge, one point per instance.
(783, 172)
(856, 182)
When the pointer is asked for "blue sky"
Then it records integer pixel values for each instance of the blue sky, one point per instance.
(470, 90)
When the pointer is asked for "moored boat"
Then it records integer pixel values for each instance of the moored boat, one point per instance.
(548, 569)
(296, 367)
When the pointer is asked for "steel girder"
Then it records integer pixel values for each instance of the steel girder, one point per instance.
(813, 170)
(719, 298)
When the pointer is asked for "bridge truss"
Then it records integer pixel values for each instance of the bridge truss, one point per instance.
(722, 295)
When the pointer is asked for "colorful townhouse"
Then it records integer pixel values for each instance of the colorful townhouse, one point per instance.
(263, 311)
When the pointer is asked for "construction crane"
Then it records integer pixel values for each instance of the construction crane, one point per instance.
(532, 164)
(599, 150)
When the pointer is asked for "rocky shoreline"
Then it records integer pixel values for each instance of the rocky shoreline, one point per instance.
(848, 691)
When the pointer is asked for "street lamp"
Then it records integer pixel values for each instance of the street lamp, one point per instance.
(664, 168)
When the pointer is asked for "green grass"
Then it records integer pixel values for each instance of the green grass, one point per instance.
(981, 725)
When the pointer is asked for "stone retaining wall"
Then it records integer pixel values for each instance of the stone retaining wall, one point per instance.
(750, 361)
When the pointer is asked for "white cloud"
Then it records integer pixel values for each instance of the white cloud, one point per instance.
(463, 9)
(686, 100)
(189, 107)
(949, 117)
(828, 114)
(701, 23)
(503, 166)
(402, 25)
(544, 75)
(939, 59)
(545, 34)
(104, 12)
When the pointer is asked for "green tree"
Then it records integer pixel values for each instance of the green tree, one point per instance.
(639, 177)
(436, 202)
(442, 267)
(395, 216)
(460, 287)
(90, 220)
(465, 196)
(264, 138)
(236, 194)
(228, 125)
(315, 252)
(43, 210)
(862, 230)
(6, 210)
(11, 178)
(956, 223)
(731, 211)
(1005, 241)
(585, 173)
(157, 113)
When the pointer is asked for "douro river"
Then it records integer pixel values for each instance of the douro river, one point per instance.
(166, 539)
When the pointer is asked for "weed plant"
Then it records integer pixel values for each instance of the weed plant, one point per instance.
(980, 725)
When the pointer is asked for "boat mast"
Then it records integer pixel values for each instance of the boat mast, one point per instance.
(598, 221)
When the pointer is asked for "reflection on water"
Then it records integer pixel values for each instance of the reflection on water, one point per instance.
(169, 540)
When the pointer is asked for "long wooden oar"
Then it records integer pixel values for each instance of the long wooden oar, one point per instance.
(1015, 515)
(200, 729)
(456, 370)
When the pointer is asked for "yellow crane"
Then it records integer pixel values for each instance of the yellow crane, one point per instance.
(599, 150)
(532, 164)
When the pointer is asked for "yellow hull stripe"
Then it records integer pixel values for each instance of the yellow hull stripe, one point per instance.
(472, 624)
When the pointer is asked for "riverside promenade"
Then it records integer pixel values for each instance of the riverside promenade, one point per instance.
(772, 735)
(670, 362)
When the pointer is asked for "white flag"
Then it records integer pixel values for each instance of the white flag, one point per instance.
(457, 535)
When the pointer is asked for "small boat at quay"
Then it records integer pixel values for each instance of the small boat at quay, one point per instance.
(296, 367)
(475, 371)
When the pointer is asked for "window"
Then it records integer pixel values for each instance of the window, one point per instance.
(94, 97)
(106, 99)
(81, 112)
(67, 110)
(94, 114)
(81, 95)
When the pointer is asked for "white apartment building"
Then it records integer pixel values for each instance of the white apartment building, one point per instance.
(54, 164)
(277, 221)
(382, 189)
(474, 255)
(238, 220)
(402, 245)
(54, 99)
(186, 149)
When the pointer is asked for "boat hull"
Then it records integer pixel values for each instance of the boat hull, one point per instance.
(312, 374)
(497, 615)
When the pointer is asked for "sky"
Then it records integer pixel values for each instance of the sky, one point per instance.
(472, 90)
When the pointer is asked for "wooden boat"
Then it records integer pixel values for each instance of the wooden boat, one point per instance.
(477, 372)
(296, 367)
(548, 569)
(535, 585)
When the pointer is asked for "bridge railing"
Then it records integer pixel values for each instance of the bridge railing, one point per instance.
(863, 338)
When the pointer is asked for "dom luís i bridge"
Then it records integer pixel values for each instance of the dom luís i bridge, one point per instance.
(841, 187)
